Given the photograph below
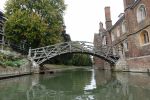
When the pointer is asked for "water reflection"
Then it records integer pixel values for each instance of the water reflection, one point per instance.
(92, 84)
(77, 85)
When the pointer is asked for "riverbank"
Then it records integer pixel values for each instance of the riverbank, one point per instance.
(13, 64)
(10, 72)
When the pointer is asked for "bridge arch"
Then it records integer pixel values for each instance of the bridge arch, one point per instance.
(40, 55)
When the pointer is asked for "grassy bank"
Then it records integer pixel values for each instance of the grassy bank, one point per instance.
(11, 59)
(13, 64)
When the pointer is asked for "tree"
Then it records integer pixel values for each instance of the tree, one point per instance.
(81, 60)
(39, 22)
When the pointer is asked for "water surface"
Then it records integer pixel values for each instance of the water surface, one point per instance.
(78, 84)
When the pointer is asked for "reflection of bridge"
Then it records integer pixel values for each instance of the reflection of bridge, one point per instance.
(39, 55)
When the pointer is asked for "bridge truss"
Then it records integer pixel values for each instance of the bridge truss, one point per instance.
(40, 55)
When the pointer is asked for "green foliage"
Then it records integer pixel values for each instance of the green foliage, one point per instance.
(39, 22)
(72, 59)
(2, 64)
(81, 60)
(10, 60)
(26, 27)
(16, 63)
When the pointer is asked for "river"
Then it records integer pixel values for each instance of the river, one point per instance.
(79, 84)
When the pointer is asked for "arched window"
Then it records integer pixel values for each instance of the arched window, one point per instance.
(144, 37)
(141, 13)
(124, 27)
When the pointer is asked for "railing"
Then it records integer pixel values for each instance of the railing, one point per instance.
(44, 53)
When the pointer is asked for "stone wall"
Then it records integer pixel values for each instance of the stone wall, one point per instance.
(13, 71)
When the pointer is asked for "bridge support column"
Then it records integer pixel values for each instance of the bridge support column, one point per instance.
(35, 68)
(121, 64)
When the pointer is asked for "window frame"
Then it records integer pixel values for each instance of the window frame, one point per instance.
(112, 36)
(141, 16)
(124, 27)
(118, 32)
(144, 39)
(126, 45)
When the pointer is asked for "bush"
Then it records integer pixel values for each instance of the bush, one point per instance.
(16, 63)
(2, 64)
(10, 60)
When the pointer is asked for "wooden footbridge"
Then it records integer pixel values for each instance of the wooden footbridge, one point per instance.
(40, 55)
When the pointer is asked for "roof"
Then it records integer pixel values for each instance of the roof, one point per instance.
(118, 22)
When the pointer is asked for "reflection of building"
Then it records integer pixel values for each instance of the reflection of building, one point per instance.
(1, 29)
(103, 77)
(130, 35)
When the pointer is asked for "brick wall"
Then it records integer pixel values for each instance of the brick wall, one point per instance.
(137, 55)
(140, 64)
(98, 63)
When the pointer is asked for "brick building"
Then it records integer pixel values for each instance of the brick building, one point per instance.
(130, 36)
(97, 41)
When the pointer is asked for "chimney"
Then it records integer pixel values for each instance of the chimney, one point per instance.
(101, 29)
(108, 17)
(128, 3)
(100, 25)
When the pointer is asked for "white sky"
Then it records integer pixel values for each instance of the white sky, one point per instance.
(2, 2)
(82, 17)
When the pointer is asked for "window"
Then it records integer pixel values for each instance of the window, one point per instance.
(144, 37)
(112, 36)
(141, 13)
(104, 40)
(118, 32)
(126, 45)
(122, 49)
(123, 26)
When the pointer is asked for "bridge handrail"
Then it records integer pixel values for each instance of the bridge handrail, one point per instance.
(54, 45)
(47, 52)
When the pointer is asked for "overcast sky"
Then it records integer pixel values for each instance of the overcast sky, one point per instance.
(82, 17)
(2, 2)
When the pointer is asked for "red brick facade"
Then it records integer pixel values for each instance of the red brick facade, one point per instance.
(98, 63)
(131, 34)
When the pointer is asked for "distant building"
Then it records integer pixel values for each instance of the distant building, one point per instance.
(130, 35)
(2, 19)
